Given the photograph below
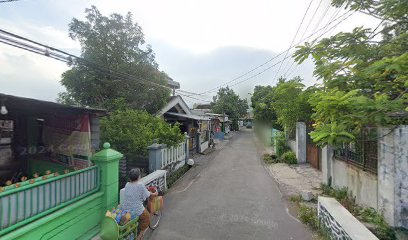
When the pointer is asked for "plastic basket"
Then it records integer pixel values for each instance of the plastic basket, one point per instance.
(111, 230)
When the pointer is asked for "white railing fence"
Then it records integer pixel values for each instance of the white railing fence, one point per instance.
(173, 154)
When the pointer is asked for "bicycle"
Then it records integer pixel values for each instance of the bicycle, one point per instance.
(154, 209)
(111, 230)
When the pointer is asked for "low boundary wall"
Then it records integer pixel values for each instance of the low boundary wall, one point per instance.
(340, 223)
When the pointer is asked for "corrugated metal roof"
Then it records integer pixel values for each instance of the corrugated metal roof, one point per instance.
(29, 105)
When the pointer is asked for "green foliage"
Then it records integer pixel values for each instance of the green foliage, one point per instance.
(118, 43)
(382, 230)
(281, 145)
(290, 103)
(308, 216)
(132, 131)
(364, 79)
(338, 193)
(262, 104)
(174, 176)
(289, 158)
(268, 159)
(228, 102)
(282, 105)
(296, 198)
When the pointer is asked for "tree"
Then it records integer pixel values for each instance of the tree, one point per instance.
(284, 104)
(113, 42)
(132, 131)
(228, 102)
(290, 103)
(262, 103)
(365, 79)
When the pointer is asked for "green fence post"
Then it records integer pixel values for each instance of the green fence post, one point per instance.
(108, 162)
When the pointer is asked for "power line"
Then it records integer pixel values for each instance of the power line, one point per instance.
(273, 58)
(42, 49)
(294, 37)
(311, 19)
(304, 32)
(6, 1)
(270, 60)
(288, 56)
(334, 15)
(193, 93)
(194, 98)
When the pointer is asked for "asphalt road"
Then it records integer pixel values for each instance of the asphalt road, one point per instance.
(228, 195)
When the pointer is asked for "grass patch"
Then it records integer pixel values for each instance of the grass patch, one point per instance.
(296, 198)
(176, 175)
(308, 216)
(288, 157)
(269, 159)
(382, 230)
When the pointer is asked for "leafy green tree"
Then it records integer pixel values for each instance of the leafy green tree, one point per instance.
(365, 73)
(132, 131)
(290, 102)
(117, 43)
(228, 102)
(262, 103)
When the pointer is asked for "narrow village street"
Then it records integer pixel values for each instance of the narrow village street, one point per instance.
(228, 195)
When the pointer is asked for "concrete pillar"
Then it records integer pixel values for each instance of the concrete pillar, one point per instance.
(108, 162)
(393, 175)
(301, 142)
(198, 142)
(327, 158)
(155, 156)
(187, 140)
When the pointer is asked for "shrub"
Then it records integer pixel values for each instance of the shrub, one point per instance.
(132, 131)
(281, 145)
(269, 158)
(174, 176)
(308, 216)
(382, 230)
(289, 158)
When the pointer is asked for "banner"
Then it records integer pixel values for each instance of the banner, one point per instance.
(68, 135)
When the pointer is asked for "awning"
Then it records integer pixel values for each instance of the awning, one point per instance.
(189, 116)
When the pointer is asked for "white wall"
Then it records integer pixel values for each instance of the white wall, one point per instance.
(362, 184)
(387, 192)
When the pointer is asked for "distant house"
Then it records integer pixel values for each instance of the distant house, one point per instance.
(206, 108)
(196, 126)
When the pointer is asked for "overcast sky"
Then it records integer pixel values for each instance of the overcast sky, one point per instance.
(201, 44)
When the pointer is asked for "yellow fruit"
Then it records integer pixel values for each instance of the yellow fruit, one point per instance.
(108, 214)
(128, 216)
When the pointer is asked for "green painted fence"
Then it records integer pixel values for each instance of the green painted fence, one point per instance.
(69, 206)
(29, 202)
